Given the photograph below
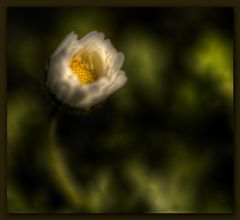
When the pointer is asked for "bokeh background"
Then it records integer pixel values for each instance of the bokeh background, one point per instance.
(161, 144)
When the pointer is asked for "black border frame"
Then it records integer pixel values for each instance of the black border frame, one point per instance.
(5, 4)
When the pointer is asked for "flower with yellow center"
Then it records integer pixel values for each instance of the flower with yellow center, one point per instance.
(82, 73)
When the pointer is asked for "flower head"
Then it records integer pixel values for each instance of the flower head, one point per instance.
(82, 73)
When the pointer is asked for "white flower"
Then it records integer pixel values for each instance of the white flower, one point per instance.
(82, 73)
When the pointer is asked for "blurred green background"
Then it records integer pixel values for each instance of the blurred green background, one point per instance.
(163, 143)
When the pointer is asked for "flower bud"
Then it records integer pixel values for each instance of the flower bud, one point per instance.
(83, 73)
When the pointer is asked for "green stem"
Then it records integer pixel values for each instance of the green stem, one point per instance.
(59, 171)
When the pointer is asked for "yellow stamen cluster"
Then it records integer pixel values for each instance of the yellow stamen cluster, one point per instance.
(83, 71)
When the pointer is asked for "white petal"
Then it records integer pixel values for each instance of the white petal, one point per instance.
(61, 80)
(69, 39)
(95, 41)
(58, 67)
(78, 94)
(96, 92)
(119, 61)
(118, 83)
(92, 37)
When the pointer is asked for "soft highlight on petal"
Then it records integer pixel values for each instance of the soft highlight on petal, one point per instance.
(71, 37)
